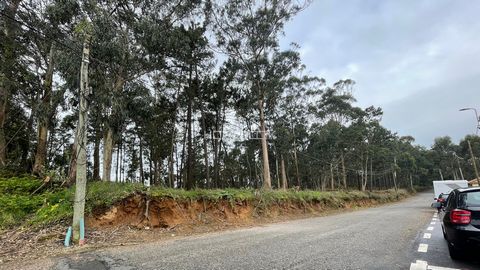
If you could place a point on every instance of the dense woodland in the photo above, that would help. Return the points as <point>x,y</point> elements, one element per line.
<point>193,94</point>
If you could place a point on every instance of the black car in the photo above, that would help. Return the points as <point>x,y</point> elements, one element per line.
<point>460,220</point>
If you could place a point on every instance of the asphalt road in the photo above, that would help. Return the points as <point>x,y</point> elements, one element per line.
<point>386,237</point>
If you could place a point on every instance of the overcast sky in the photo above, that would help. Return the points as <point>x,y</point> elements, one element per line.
<point>418,60</point>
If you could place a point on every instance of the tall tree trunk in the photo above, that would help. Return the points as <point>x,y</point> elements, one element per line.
<point>96,155</point>
<point>284,173</point>
<point>122,161</point>
<point>277,173</point>
<point>205,150</point>
<point>170,158</point>
<point>171,177</point>
<point>371,174</point>
<point>324,181</point>
<point>332,179</point>
<point>142,177</point>
<point>25,163</point>
<point>215,160</point>
<point>150,166</point>
<point>366,173</point>
<point>344,173</point>
<point>297,172</point>
<point>44,116</point>
<point>189,180</point>
<point>182,162</point>
<point>6,72</point>
<point>267,183</point>
<point>395,174</point>
<point>411,181</point>
<point>108,139</point>
<point>117,167</point>
<point>107,155</point>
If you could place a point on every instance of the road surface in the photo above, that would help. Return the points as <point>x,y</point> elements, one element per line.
<point>385,237</point>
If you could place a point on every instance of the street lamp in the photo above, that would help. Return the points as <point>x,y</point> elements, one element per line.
<point>476,117</point>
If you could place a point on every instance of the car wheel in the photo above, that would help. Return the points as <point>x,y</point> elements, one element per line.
<point>455,253</point>
<point>444,234</point>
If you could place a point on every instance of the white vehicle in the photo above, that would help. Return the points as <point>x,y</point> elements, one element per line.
<point>447,186</point>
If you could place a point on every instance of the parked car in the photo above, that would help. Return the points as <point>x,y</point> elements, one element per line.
<point>460,221</point>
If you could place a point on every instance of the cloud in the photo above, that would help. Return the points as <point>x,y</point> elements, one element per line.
<point>400,53</point>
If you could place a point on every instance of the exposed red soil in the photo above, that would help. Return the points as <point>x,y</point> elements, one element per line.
<point>140,212</point>
<point>138,219</point>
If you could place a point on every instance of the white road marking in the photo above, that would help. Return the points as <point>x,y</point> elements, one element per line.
<point>434,219</point>
<point>432,223</point>
<point>435,215</point>
<point>431,267</point>
<point>423,248</point>
<point>419,265</point>
<point>427,235</point>
<point>430,229</point>
<point>423,265</point>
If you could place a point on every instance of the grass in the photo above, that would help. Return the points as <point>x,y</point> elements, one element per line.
<point>20,208</point>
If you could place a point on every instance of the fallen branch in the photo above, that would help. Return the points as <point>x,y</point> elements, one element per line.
<point>45,181</point>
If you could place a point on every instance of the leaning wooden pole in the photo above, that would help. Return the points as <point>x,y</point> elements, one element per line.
<point>474,162</point>
<point>81,175</point>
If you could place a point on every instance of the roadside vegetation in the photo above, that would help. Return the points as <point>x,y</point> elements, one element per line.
<point>54,205</point>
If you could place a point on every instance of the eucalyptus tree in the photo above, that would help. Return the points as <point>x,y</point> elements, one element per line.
<point>442,154</point>
<point>336,105</point>
<point>128,47</point>
<point>248,31</point>
<point>195,59</point>
<point>291,123</point>
<point>8,64</point>
<point>53,20</point>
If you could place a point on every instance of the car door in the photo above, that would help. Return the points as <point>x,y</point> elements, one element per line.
<point>471,201</point>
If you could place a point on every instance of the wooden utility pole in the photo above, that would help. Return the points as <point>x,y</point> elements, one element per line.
<point>81,179</point>
<point>474,162</point>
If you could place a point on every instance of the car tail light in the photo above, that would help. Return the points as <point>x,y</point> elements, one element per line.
<point>459,216</point>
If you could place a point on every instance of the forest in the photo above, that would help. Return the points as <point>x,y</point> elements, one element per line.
<point>193,94</point>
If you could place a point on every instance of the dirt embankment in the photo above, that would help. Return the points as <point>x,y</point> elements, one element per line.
<point>140,218</point>
<point>142,212</point>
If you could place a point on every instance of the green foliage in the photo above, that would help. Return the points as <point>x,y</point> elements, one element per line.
<point>101,194</point>
<point>18,207</point>
<point>19,185</point>
<point>15,208</point>
<point>204,194</point>
<point>57,206</point>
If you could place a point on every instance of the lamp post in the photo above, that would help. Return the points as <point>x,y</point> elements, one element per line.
<point>477,119</point>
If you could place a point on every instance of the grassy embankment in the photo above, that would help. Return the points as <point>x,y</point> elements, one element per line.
<point>54,205</point>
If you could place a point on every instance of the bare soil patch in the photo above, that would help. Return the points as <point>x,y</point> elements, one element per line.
<point>138,219</point>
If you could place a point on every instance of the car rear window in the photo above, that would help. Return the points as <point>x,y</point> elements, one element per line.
<point>469,199</point>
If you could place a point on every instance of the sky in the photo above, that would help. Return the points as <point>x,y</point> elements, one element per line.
<point>419,60</point>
